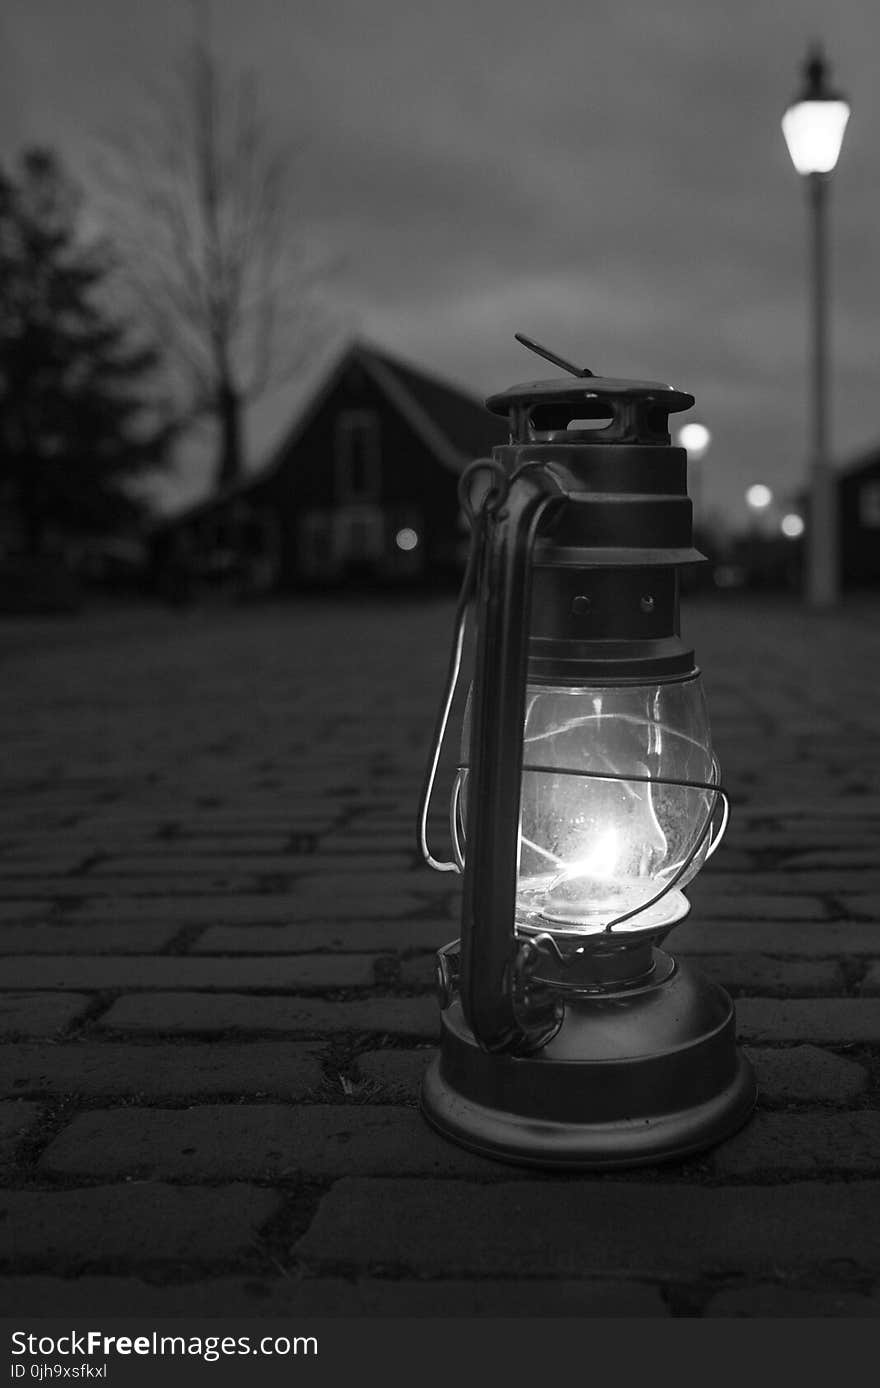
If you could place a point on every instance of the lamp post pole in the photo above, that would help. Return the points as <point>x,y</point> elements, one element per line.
<point>823,565</point>
<point>813,126</point>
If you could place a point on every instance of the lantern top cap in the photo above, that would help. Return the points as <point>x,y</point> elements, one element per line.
<point>555,411</point>
<point>589,389</point>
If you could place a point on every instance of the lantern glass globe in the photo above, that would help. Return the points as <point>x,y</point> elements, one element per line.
<point>592,848</point>
<point>603,827</point>
<point>814,133</point>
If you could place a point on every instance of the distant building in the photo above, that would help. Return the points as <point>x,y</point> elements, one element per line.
<point>859,519</point>
<point>362,488</point>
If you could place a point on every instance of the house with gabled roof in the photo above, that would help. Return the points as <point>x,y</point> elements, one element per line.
<point>363,487</point>
<point>858,493</point>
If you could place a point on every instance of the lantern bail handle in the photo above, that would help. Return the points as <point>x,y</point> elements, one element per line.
<point>504,1010</point>
<point>476,513</point>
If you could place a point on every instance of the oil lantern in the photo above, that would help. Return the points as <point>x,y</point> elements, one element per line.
<point>587,797</point>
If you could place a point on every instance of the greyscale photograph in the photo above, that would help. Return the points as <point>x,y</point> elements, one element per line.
<point>439,596</point>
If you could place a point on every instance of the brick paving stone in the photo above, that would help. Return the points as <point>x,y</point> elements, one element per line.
<point>47,864</point>
<point>203,1012</point>
<point>580,1227</point>
<point>871,982</point>
<point>180,845</point>
<point>821,881</point>
<point>275,1069</point>
<point>302,866</point>
<point>339,936</point>
<point>262,1142</point>
<point>769,1299</point>
<point>862,905</point>
<point>825,1020</point>
<point>851,857</point>
<point>327,1296</point>
<point>146,886</point>
<point>17,1119</point>
<point>358,904</point>
<point>809,939</point>
<point>17,911</point>
<point>357,843</point>
<point>806,1074</point>
<point>39,1014</point>
<point>735,904</point>
<point>304,972</point>
<point>761,974</point>
<point>133,1222</point>
<point>142,937</point>
<point>396,1069</point>
<point>210,909</point>
<point>802,1145</point>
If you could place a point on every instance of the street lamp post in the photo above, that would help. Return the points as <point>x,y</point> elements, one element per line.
<point>813,126</point>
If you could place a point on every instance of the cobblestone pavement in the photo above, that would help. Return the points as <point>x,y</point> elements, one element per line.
<point>217,996</point>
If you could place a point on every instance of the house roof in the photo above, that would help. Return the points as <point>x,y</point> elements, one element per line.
<point>466,423</point>
<point>865,464</point>
<point>455,426</point>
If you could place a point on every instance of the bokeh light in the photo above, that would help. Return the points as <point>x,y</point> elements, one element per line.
<point>695,438</point>
<point>759,496</point>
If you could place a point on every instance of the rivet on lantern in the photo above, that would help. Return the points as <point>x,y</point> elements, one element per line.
<point>587,797</point>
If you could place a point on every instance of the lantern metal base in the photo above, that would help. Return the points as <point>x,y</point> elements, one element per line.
<point>631,1078</point>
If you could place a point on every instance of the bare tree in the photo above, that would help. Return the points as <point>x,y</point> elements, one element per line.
<point>198,202</point>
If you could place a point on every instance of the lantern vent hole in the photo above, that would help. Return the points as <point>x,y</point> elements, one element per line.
<point>556,421</point>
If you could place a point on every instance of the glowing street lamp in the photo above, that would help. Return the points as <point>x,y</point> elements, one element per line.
<point>758,497</point>
<point>792,526</point>
<point>695,438</point>
<point>585,801</point>
<point>813,126</point>
<point>815,122</point>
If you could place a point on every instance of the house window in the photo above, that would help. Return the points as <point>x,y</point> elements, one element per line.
<point>869,505</point>
<point>358,460</point>
<point>359,534</point>
<point>317,556</point>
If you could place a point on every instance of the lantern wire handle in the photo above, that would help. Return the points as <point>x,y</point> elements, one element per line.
<point>436,748</point>
<point>455,820</point>
<point>476,516</point>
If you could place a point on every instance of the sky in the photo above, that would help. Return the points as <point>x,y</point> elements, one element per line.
<point>609,178</point>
